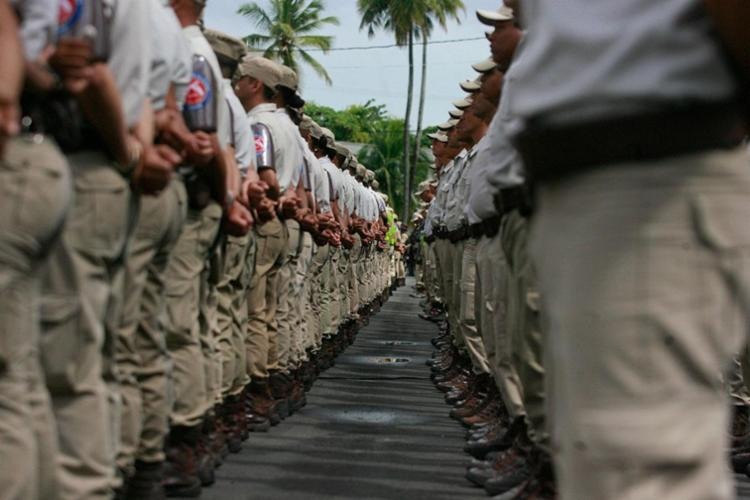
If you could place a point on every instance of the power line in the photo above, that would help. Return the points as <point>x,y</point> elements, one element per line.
<point>371,47</point>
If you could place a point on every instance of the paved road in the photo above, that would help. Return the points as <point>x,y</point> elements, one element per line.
<point>374,428</point>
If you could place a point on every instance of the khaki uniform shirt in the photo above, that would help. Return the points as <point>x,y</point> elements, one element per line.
<point>171,57</point>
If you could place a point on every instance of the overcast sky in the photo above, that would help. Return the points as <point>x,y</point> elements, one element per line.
<point>379,74</point>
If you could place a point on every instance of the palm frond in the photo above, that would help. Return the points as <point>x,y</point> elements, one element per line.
<point>316,66</point>
<point>256,14</point>
<point>323,43</point>
<point>287,27</point>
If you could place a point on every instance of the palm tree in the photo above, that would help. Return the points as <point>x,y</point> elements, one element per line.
<point>408,20</point>
<point>438,12</point>
<point>383,156</point>
<point>287,28</point>
<point>400,17</point>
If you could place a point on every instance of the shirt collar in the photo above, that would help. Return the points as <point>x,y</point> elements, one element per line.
<point>266,107</point>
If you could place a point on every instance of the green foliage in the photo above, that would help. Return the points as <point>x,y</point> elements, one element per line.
<point>408,20</point>
<point>354,124</point>
<point>287,28</point>
<point>382,135</point>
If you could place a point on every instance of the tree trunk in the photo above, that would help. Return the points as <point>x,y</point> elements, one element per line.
<point>420,114</point>
<point>407,121</point>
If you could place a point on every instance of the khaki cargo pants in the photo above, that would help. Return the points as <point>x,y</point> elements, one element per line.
<point>35,194</point>
<point>186,285</point>
<point>80,311</point>
<point>231,314</point>
<point>271,239</point>
<point>302,326</point>
<point>470,327</point>
<point>141,353</point>
<point>523,321</point>
<point>318,292</point>
<point>645,274</point>
<point>286,311</point>
<point>491,302</point>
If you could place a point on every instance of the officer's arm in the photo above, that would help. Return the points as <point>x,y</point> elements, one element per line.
<point>336,212</point>
<point>101,103</point>
<point>304,196</point>
<point>11,77</point>
<point>237,217</point>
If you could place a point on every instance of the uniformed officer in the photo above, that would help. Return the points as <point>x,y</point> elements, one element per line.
<point>143,366</point>
<point>212,181</point>
<point>522,331</point>
<point>28,446</point>
<point>106,97</point>
<point>238,255</point>
<point>288,286</point>
<point>278,163</point>
<point>322,236</point>
<point>637,239</point>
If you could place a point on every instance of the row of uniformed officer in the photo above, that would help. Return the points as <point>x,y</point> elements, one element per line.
<point>183,250</point>
<point>628,120</point>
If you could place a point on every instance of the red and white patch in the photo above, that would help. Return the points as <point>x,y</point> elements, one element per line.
<point>69,11</point>
<point>197,93</point>
<point>260,144</point>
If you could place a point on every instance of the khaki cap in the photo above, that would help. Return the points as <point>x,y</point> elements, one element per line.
<point>484,66</point>
<point>448,125</point>
<point>456,113</point>
<point>307,123</point>
<point>438,136</point>
<point>370,175</point>
<point>316,131</point>
<point>463,103</point>
<point>289,78</point>
<point>327,134</point>
<point>471,85</point>
<point>490,17</point>
<point>260,68</point>
<point>375,184</point>
<point>228,46</point>
<point>341,150</point>
<point>361,171</point>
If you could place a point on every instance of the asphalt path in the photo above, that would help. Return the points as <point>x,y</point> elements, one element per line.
<point>374,428</point>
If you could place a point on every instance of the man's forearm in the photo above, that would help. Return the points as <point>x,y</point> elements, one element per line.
<point>145,129</point>
<point>13,62</point>
<point>268,176</point>
<point>101,104</point>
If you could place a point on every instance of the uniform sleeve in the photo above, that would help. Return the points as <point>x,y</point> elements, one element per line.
<point>182,65</point>
<point>322,187</point>
<point>38,25</point>
<point>162,50</point>
<point>244,148</point>
<point>130,60</point>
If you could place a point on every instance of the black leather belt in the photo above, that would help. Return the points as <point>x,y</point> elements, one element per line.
<point>459,234</point>
<point>488,227</point>
<point>551,152</point>
<point>516,198</point>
